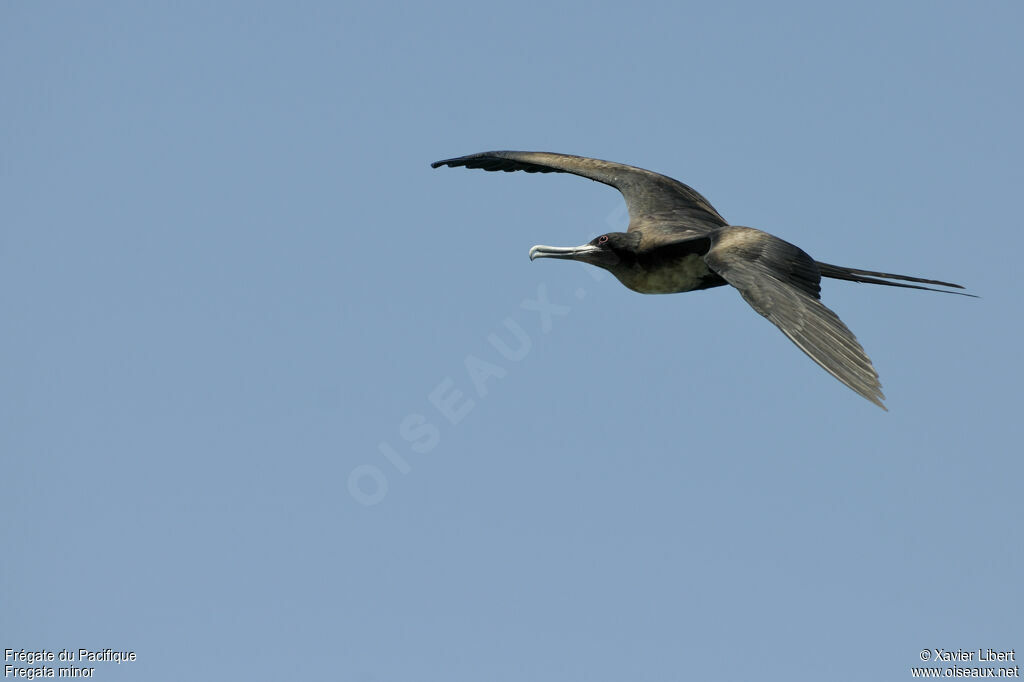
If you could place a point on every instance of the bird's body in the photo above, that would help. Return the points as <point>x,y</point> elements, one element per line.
<point>678,242</point>
<point>669,276</point>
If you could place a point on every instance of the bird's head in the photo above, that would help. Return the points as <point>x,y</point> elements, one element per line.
<point>605,251</point>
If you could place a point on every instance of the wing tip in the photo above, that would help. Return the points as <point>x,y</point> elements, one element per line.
<point>483,158</point>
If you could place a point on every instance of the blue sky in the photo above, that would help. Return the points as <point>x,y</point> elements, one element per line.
<point>231,283</point>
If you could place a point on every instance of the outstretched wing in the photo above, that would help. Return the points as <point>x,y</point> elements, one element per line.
<point>780,282</point>
<point>654,201</point>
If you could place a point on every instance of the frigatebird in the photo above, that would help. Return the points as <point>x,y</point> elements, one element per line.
<point>676,242</point>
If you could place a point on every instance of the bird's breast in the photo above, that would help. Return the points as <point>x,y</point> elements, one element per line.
<point>669,277</point>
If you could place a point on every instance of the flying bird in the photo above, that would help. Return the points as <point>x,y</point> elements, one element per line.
<point>676,242</point>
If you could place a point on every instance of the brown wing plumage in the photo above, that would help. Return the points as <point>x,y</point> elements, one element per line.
<point>655,202</point>
<point>780,282</point>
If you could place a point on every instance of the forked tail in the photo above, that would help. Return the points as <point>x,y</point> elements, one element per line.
<point>871,277</point>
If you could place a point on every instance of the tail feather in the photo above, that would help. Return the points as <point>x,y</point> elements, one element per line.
<point>872,277</point>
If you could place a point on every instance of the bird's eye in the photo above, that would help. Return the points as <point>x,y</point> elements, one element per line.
<point>602,239</point>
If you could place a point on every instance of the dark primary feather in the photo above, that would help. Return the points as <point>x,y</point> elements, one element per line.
<point>781,282</point>
<point>655,202</point>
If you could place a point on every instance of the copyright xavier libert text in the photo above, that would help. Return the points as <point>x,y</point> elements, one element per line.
<point>31,665</point>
